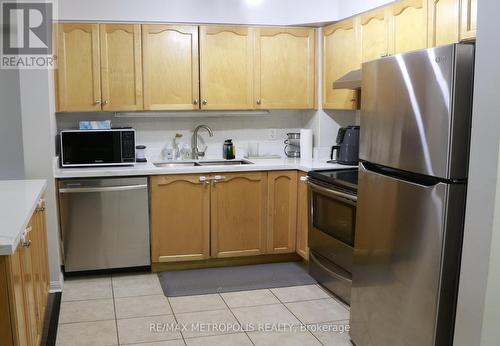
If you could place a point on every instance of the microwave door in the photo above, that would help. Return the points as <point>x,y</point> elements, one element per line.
<point>407,247</point>
<point>91,148</point>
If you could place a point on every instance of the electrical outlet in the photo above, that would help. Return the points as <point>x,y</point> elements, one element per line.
<point>272,134</point>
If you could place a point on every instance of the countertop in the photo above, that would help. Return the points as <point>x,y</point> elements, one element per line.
<point>144,169</point>
<point>18,200</point>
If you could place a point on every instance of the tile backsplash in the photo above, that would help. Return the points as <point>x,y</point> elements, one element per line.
<point>155,133</point>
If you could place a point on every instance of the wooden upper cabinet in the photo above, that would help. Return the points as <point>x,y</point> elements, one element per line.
<point>282,208</point>
<point>180,218</point>
<point>239,214</point>
<point>121,67</point>
<point>170,67</point>
<point>226,67</point>
<point>408,28</point>
<point>78,74</point>
<point>468,19</point>
<point>302,215</point>
<point>341,54</point>
<point>443,22</point>
<point>374,31</point>
<point>285,68</point>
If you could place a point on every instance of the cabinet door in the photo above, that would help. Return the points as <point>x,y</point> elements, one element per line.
<point>443,22</point>
<point>282,207</point>
<point>180,218</point>
<point>340,55</point>
<point>468,19</point>
<point>285,68</point>
<point>121,67</point>
<point>29,284</point>
<point>78,73</point>
<point>226,67</point>
<point>170,67</point>
<point>5,311</point>
<point>408,26</point>
<point>302,216</point>
<point>17,298</point>
<point>374,32</point>
<point>239,214</point>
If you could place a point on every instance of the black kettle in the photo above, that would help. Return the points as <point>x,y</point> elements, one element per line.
<point>347,147</point>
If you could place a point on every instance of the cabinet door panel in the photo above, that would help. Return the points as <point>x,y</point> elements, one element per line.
<point>302,216</point>
<point>285,68</point>
<point>468,19</point>
<point>121,67</point>
<point>226,67</point>
<point>239,215</point>
<point>29,288</point>
<point>180,218</point>
<point>408,26</point>
<point>17,298</point>
<point>340,56</point>
<point>443,22</point>
<point>78,73</point>
<point>5,311</point>
<point>374,35</point>
<point>170,66</point>
<point>282,204</point>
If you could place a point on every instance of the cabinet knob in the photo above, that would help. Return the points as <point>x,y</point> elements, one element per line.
<point>195,102</point>
<point>98,102</point>
<point>204,102</point>
<point>105,102</point>
<point>259,101</point>
<point>204,179</point>
<point>304,178</point>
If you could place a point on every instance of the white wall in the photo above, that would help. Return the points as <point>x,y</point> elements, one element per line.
<point>272,12</point>
<point>479,250</point>
<point>39,128</point>
<point>11,142</point>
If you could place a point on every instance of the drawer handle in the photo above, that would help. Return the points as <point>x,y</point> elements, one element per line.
<point>219,178</point>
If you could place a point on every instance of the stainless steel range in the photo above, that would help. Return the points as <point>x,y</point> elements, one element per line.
<point>333,199</point>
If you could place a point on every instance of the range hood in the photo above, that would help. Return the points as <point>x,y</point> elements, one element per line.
<point>351,80</point>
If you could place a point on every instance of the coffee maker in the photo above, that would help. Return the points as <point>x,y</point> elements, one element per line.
<point>347,147</point>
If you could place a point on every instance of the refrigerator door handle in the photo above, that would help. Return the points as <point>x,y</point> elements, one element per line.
<point>406,177</point>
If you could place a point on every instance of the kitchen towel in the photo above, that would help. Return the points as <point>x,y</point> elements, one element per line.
<point>306,144</point>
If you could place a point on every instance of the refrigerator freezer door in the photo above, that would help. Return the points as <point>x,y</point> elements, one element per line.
<point>416,111</point>
<point>408,240</point>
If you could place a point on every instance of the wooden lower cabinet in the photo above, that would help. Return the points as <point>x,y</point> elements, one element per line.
<point>302,216</point>
<point>282,211</point>
<point>180,218</point>
<point>24,287</point>
<point>239,214</point>
<point>223,215</point>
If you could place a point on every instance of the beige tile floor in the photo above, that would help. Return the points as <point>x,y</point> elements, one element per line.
<point>130,309</point>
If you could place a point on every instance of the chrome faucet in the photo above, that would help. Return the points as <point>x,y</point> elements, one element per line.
<point>196,153</point>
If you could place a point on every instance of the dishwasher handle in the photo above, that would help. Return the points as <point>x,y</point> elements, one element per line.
<point>103,189</point>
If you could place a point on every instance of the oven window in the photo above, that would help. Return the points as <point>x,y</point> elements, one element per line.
<point>334,217</point>
<point>91,147</point>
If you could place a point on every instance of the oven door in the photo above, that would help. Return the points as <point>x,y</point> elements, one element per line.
<point>332,224</point>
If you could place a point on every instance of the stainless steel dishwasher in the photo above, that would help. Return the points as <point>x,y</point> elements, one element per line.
<point>105,223</point>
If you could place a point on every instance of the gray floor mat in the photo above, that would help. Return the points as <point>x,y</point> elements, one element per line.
<point>232,279</point>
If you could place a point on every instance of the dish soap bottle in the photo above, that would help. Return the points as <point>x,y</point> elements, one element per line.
<point>228,149</point>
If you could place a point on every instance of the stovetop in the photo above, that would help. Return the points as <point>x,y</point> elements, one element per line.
<point>343,178</point>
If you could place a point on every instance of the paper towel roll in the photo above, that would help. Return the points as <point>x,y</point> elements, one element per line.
<point>306,144</point>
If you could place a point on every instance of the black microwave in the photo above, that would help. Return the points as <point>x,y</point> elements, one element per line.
<point>114,147</point>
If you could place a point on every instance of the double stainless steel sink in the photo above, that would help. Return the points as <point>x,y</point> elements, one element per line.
<point>202,163</point>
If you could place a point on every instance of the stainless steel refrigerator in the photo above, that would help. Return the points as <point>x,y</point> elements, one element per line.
<point>414,147</point>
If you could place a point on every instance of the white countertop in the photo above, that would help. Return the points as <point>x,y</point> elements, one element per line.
<point>18,200</point>
<point>141,169</point>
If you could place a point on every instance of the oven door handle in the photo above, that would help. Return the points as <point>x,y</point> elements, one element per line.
<point>332,193</point>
